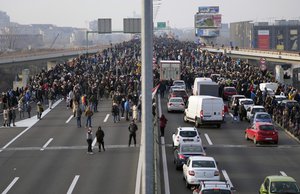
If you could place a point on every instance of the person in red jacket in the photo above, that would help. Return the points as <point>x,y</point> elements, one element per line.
<point>162,124</point>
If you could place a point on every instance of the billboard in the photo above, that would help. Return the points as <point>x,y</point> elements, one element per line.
<point>208,9</point>
<point>293,41</point>
<point>207,32</point>
<point>208,20</point>
<point>263,39</point>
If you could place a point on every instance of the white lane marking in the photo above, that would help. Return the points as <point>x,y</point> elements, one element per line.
<point>94,142</point>
<point>231,114</point>
<point>105,120</point>
<point>139,173</point>
<point>208,139</point>
<point>283,173</point>
<point>15,138</point>
<point>227,179</point>
<point>159,107</point>
<point>69,119</point>
<point>46,144</point>
<point>72,186</point>
<point>163,152</point>
<point>165,167</point>
<point>10,185</point>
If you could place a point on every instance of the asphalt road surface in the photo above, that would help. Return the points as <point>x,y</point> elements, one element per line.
<point>243,163</point>
<point>50,155</point>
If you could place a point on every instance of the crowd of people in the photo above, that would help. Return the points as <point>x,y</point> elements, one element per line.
<point>115,73</point>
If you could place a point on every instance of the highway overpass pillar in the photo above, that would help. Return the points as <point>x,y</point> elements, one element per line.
<point>279,73</point>
<point>147,85</point>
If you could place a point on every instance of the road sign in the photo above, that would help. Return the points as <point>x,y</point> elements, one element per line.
<point>161,25</point>
<point>132,25</point>
<point>263,65</point>
<point>104,26</point>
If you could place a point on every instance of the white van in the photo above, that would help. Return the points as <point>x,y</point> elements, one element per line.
<point>205,86</point>
<point>204,110</point>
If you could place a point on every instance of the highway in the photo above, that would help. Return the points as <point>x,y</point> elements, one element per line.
<point>50,155</point>
<point>245,164</point>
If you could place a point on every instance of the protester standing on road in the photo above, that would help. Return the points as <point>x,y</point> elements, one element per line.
<point>5,117</point>
<point>88,113</point>
<point>39,110</point>
<point>132,132</point>
<point>162,124</point>
<point>28,110</point>
<point>89,139</point>
<point>100,138</point>
<point>78,113</point>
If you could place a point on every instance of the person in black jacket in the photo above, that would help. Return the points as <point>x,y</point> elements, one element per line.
<point>132,132</point>
<point>100,138</point>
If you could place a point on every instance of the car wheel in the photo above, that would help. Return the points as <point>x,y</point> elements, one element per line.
<point>187,185</point>
<point>185,118</point>
<point>196,122</point>
<point>246,136</point>
<point>218,125</point>
<point>177,167</point>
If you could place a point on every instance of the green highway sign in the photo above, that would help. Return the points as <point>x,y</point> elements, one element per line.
<point>161,25</point>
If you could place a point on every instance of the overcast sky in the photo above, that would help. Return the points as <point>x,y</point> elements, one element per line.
<point>179,13</point>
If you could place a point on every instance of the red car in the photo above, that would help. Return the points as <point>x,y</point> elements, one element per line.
<point>262,132</point>
<point>228,92</point>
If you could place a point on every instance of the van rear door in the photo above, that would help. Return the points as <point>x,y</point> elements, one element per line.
<point>213,109</point>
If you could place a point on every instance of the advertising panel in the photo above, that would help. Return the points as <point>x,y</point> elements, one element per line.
<point>293,40</point>
<point>208,32</point>
<point>263,39</point>
<point>208,21</point>
<point>279,39</point>
<point>208,9</point>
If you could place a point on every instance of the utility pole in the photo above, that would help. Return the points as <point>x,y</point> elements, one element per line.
<point>147,84</point>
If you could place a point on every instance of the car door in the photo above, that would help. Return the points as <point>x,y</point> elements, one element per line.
<point>176,154</point>
<point>185,167</point>
<point>252,132</point>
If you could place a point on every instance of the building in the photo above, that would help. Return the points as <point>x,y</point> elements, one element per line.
<point>4,19</point>
<point>282,35</point>
<point>241,34</point>
<point>20,41</point>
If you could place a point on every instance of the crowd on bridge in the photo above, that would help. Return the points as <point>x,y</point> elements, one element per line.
<point>115,73</point>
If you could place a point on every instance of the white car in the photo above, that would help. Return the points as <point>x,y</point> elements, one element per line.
<point>176,104</point>
<point>214,187</point>
<point>186,134</point>
<point>254,109</point>
<point>200,168</point>
<point>179,83</point>
<point>246,102</point>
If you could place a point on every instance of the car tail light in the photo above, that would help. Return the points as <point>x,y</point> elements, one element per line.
<point>201,114</point>
<point>177,138</point>
<point>181,156</point>
<point>223,113</point>
<point>191,173</point>
<point>170,104</point>
<point>182,104</point>
<point>216,173</point>
<point>198,138</point>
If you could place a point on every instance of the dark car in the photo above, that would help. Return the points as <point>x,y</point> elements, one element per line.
<point>184,151</point>
<point>179,93</point>
<point>289,104</point>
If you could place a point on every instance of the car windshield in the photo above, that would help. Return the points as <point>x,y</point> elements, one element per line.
<point>187,133</point>
<point>179,93</point>
<point>215,191</point>
<point>230,90</point>
<point>203,164</point>
<point>179,84</point>
<point>176,100</point>
<point>284,187</point>
<point>263,116</point>
<point>191,149</point>
<point>266,127</point>
<point>246,102</point>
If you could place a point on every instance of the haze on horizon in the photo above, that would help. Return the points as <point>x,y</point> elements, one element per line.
<point>179,13</point>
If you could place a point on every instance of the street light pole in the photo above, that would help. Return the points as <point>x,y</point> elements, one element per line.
<point>147,84</point>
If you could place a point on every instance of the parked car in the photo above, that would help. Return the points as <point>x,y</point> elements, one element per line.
<point>254,109</point>
<point>200,168</point>
<point>261,117</point>
<point>179,93</point>
<point>176,104</point>
<point>213,187</point>
<point>262,132</point>
<point>277,184</point>
<point>179,83</point>
<point>234,99</point>
<point>184,151</point>
<point>228,92</point>
<point>186,135</point>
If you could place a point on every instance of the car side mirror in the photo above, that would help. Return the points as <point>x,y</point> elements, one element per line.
<point>264,191</point>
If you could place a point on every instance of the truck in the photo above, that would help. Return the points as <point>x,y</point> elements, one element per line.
<point>205,86</point>
<point>169,69</point>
